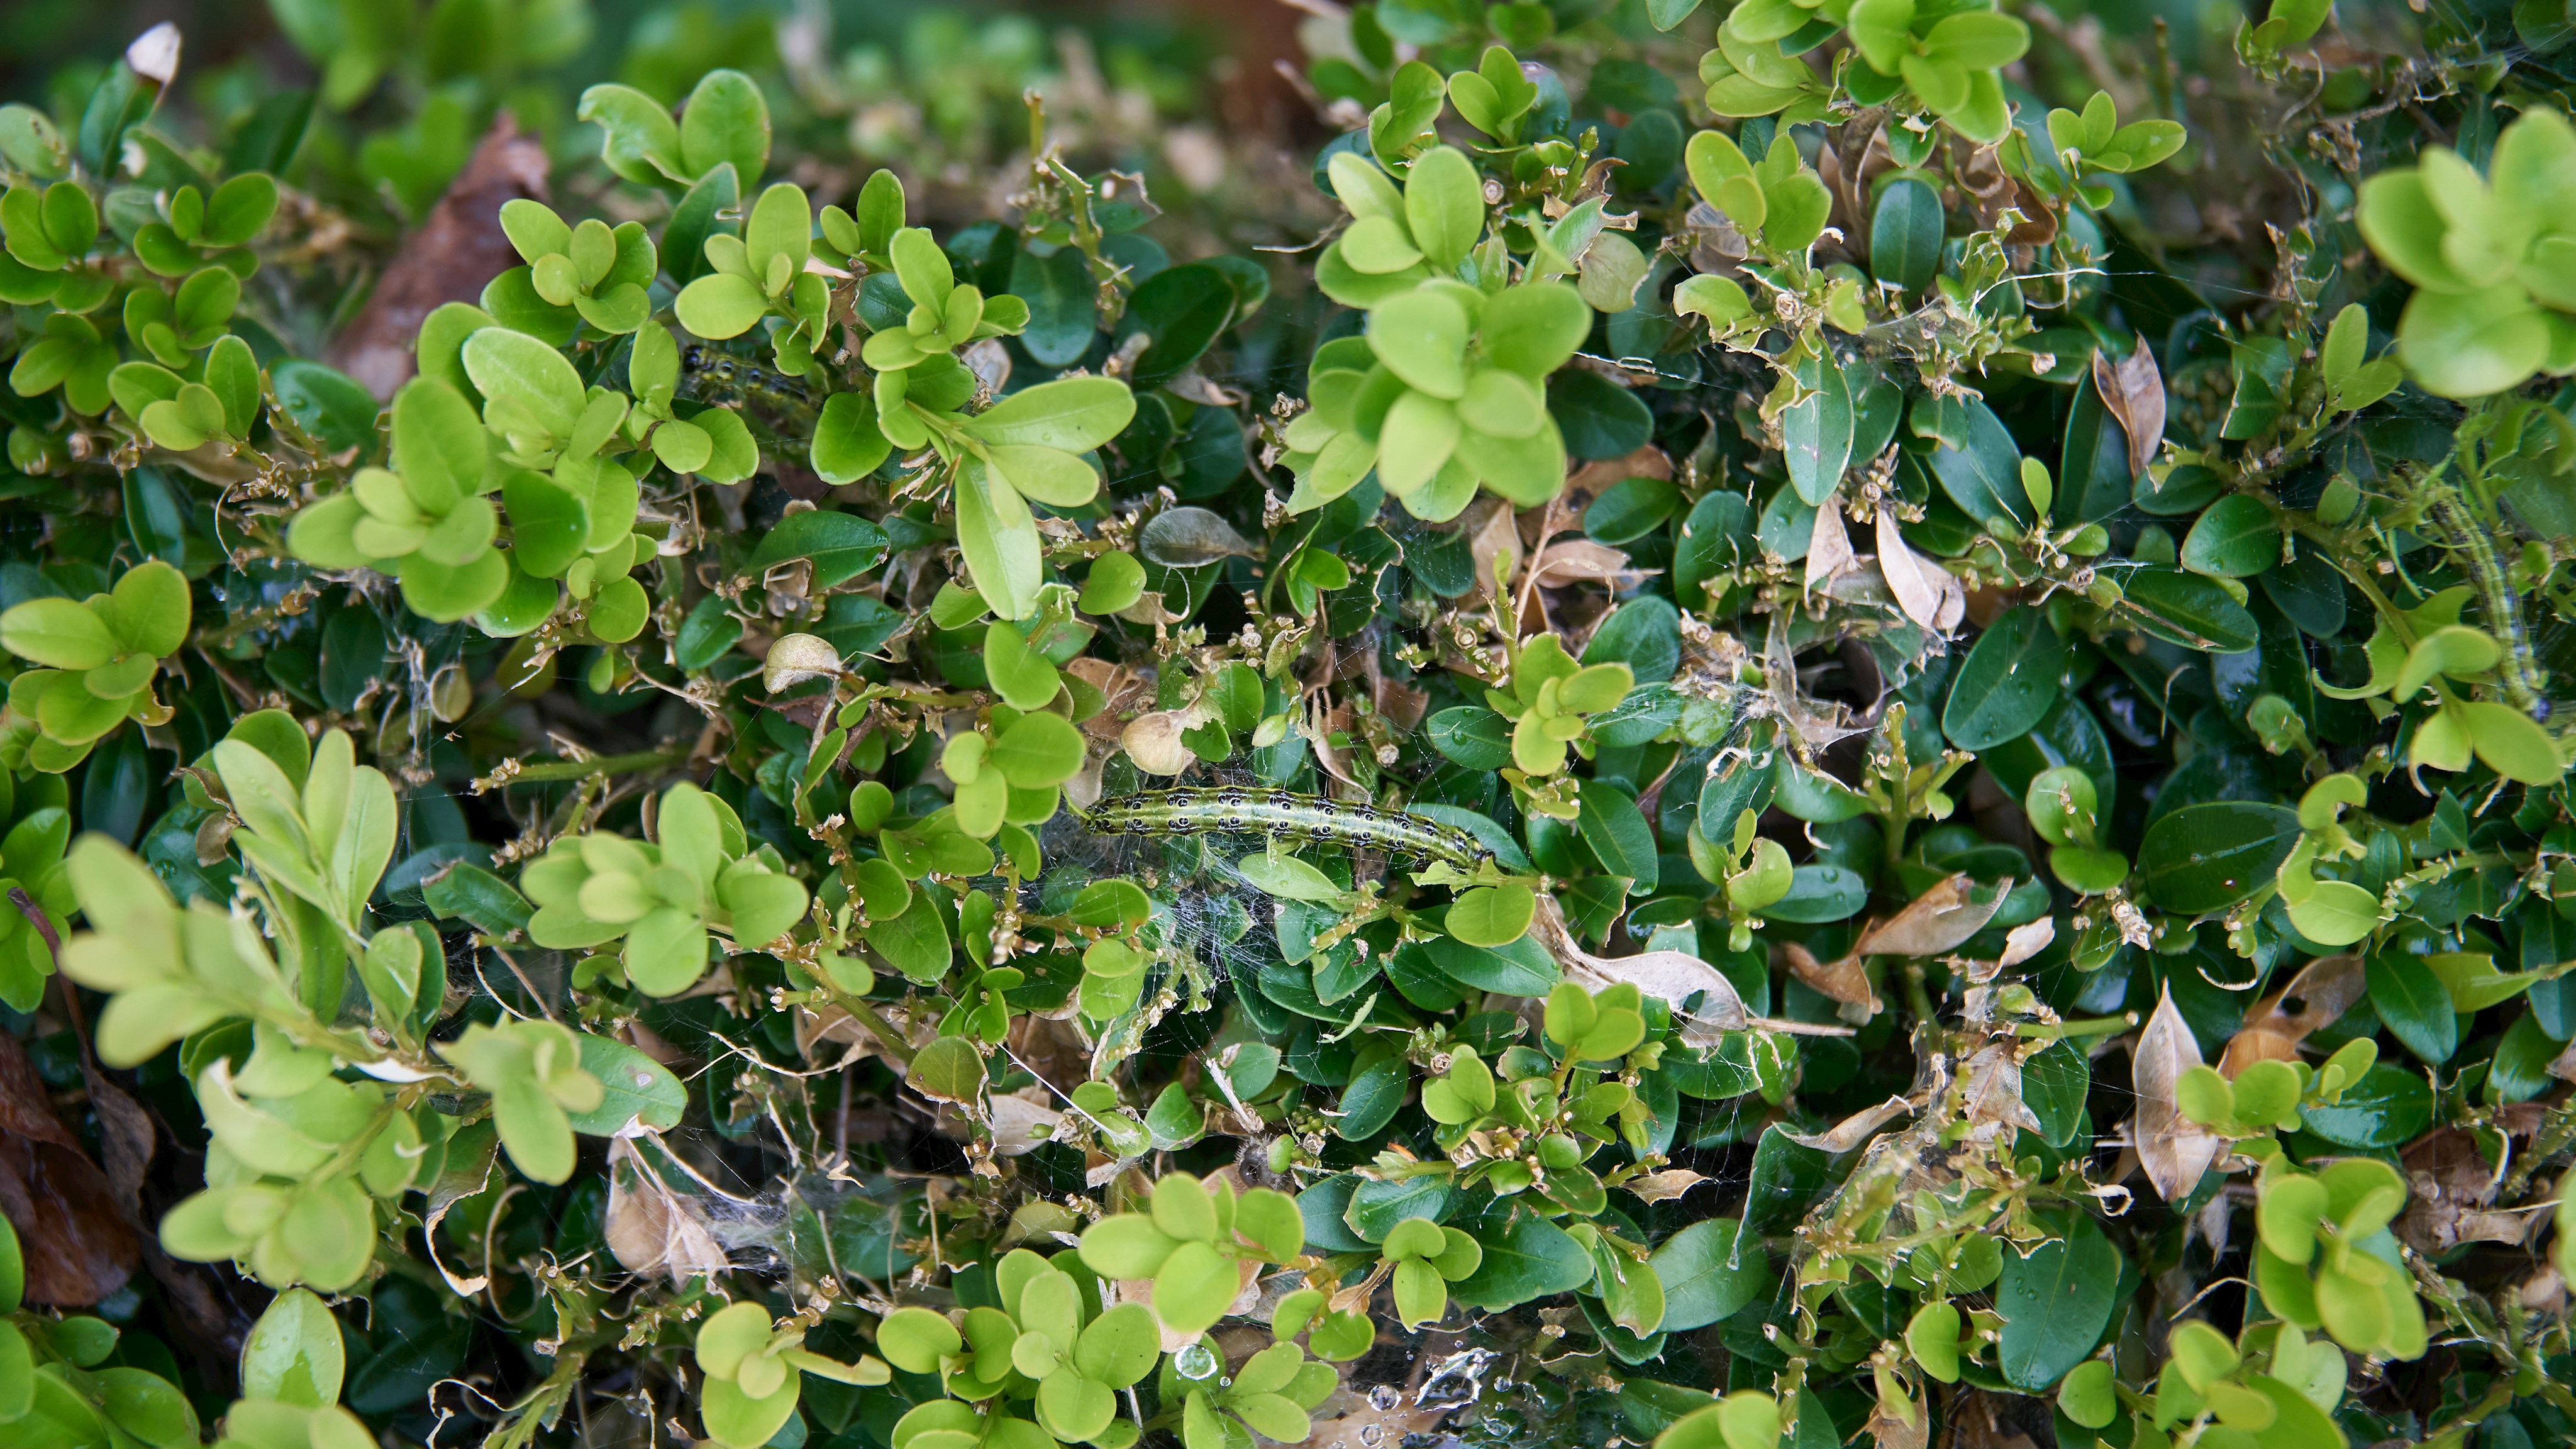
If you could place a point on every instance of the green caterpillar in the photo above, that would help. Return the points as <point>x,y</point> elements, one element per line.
<point>1287,815</point>
<point>776,406</point>
<point>2520,674</point>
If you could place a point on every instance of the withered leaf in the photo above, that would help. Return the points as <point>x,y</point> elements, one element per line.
<point>1938,920</point>
<point>1929,594</point>
<point>2324,989</point>
<point>1853,1130</point>
<point>2173,1148</point>
<point>1829,548</point>
<point>1664,1186</point>
<point>1845,980</point>
<point>2135,394</point>
<point>75,1241</point>
<point>1186,537</point>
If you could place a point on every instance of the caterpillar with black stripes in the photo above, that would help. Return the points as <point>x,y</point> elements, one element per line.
<point>1287,815</point>
<point>2519,673</point>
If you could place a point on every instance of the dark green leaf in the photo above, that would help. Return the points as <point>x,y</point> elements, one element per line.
<point>476,896</point>
<point>1529,1257</point>
<point>842,545</point>
<point>2053,1083</point>
<point>2206,858</point>
<point>2389,1107</point>
<point>1473,736</point>
<point>2414,1005</point>
<point>1599,418</point>
<point>2055,1304</point>
<point>2008,682</point>
<point>1709,1270</point>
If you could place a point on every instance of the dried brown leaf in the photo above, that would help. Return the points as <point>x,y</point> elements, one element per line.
<point>1673,977</point>
<point>1845,980</point>
<point>1929,594</point>
<point>1829,549</point>
<point>75,1240</point>
<point>2324,989</point>
<point>650,1229</point>
<point>2135,394</point>
<point>455,252</point>
<point>1938,920</point>
<point>1853,1130</point>
<point>1664,1186</point>
<point>1492,534</point>
<point>1994,1088</point>
<point>2173,1148</point>
<point>1581,560</point>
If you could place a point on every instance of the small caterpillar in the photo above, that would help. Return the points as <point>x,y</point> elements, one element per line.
<point>709,376</point>
<point>2519,673</point>
<point>1307,819</point>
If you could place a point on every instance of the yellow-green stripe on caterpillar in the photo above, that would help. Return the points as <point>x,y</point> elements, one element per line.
<point>1286,815</point>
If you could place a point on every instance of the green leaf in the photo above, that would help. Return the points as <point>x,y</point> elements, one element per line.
<point>2413,1004</point>
<point>1905,234</point>
<point>1038,752</point>
<point>841,546</point>
<point>2235,538</point>
<point>1597,417</point>
<point>725,120</point>
<point>1621,840</point>
<point>2055,1304</point>
<point>1421,336</point>
<point>1022,676</point>
<point>476,896</point>
<point>1533,328</point>
<point>1522,968</point>
<point>1709,1270</point>
<point>513,365</point>
<point>948,1070</point>
<point>59,634</point>
<point>1491,916</point>
<point>1526,1258</point>
<point>2205,858</point>
<point>720,305</point>
<point>999,538</point>
<point>781,222</point>
<point>1182,309</point>
<point>848,445</point>
<point>1472,735</point>
<point>2009,681</point>
<point>2389,1107</point>
<point>1288,877</point>
<point>549,524</point>
<point>2054,1081</point>
<point>1075,414</point>
<point>1444,206</point>
<point>635,1089</point>
<point>2511,743</point>
<point>294,1353</point>
<point>1983,475</point>
<point>2190,610</point>
<point>1816,433</point>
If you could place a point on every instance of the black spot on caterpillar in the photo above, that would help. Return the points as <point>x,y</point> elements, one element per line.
<point>1287,815</point>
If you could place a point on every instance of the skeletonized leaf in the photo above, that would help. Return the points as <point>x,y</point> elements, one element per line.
<point>2173,1147</point>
